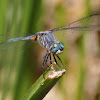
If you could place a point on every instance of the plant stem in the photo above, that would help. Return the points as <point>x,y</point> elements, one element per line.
<point>42,86</point>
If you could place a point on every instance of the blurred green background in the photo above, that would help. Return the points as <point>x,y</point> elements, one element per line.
<point>20,63</point>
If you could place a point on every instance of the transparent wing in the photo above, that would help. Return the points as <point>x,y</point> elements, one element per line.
<point>87,23</point>
<point>72,31</point>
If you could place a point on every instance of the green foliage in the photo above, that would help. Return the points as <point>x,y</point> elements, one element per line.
<point>20,63</point>
<point>42,86</point>
<point>17,18</point>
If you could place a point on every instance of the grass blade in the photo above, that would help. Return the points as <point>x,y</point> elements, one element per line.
<point>42,86</point>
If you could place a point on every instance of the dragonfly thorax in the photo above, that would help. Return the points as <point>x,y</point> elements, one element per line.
<point>57,48</point>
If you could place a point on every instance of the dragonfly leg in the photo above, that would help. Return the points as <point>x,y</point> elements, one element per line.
<point>46,59</point>
<point>50,60</point>
<point>56,61</point>
<point>45,62</point>
<point>60,61</point>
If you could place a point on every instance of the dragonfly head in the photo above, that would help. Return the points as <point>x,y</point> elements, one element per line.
<point>57,48</point>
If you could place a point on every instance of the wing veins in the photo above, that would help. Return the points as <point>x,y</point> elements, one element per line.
<point>70,26</point>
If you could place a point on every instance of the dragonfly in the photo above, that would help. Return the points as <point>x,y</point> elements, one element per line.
<point>53,47</point>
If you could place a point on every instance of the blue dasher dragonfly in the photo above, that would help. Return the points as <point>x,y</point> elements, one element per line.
<point>47,40</point>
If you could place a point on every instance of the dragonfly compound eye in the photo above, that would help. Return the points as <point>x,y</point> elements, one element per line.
<point>57,48</point>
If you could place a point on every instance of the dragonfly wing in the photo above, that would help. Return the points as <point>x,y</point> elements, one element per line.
<point>72,31</point>
<point>87,23</point>
<point>83,28</point>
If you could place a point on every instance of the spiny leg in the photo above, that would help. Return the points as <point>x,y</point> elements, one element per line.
<point>51,62</point>
<point>56,61</point>
<point>60,61</point>
<point>44,62</point>
<point>50,59</point>
<point>47,60</point>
